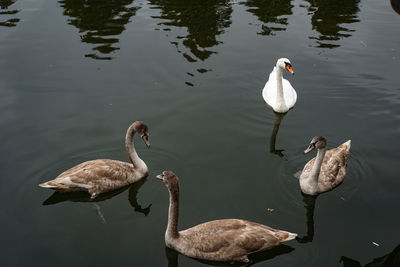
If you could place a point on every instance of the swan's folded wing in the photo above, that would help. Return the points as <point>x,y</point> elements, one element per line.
<point>333,168</point>
<point>269,90</point>
<point>307,168</point>
<point>289,93</point>
<point>89,173</point>
<point>233,237</point>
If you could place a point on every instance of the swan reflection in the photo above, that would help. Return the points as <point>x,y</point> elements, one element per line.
<point>7,14</point>
<point>272,140</point>
<point>172,257</point>
<point>58,197</point>
<point>273,14</point>
<point>309,204</point>
<point>99,22</point>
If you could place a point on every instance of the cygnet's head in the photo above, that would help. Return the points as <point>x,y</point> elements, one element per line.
<point>284,63</point>
<point>317,142</point>
<point>169,178</point>
<point>141,128</point>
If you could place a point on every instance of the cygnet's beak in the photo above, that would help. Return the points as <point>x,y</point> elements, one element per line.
<point>289,69</point>
<point>146,140</point>
<point>309,148</point>
<point>159,177</point>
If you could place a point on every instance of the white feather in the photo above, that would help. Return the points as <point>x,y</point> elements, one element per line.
<point>270,91</point>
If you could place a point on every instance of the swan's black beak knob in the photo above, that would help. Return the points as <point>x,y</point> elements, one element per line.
<point>289,68</point>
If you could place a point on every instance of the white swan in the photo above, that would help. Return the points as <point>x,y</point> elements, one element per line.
<point>278,92</point>
<point>103,175</point>
<point>327,169</point>
<point>219,240</point>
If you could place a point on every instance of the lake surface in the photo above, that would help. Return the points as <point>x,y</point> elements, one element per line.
<point>74,74</point>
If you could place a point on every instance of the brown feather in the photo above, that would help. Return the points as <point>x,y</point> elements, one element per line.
<point>103,175</point>
<point>219,240</point>
<point>333,167</point>
<point>99,176</point>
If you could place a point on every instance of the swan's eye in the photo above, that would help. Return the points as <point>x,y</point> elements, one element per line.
<point>288,64</point>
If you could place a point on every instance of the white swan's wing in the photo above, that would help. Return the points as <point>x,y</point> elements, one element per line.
<point>289,93</point>
<point>269,91</point>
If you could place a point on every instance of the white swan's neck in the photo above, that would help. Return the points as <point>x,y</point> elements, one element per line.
<point>316,169</point>
<point>137,162</point>
<point>280,101</point>
<point>173,214</point>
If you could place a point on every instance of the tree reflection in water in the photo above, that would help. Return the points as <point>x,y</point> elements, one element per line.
<point>4,11</point>
<point>328,17</point>
<point>274,14</point>
<point>204,21</point>
<point>99,22</point>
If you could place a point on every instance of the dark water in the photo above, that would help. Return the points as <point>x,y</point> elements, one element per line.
<point>74,74</point>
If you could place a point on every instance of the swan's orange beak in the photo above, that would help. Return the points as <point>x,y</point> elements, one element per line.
<point>289,69</point>
<point>146,140</point>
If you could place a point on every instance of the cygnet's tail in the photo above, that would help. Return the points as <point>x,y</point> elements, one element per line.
<point>348,143</point>
<point>346,146</point>
<point>290,236</point>
<point>49,184</point>
<point>286,236</point>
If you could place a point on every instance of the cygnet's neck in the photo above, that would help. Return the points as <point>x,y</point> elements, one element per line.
<point>173,213</point>
<point>280,101</point>
<point>137,162</point>
<point>316,168</point>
